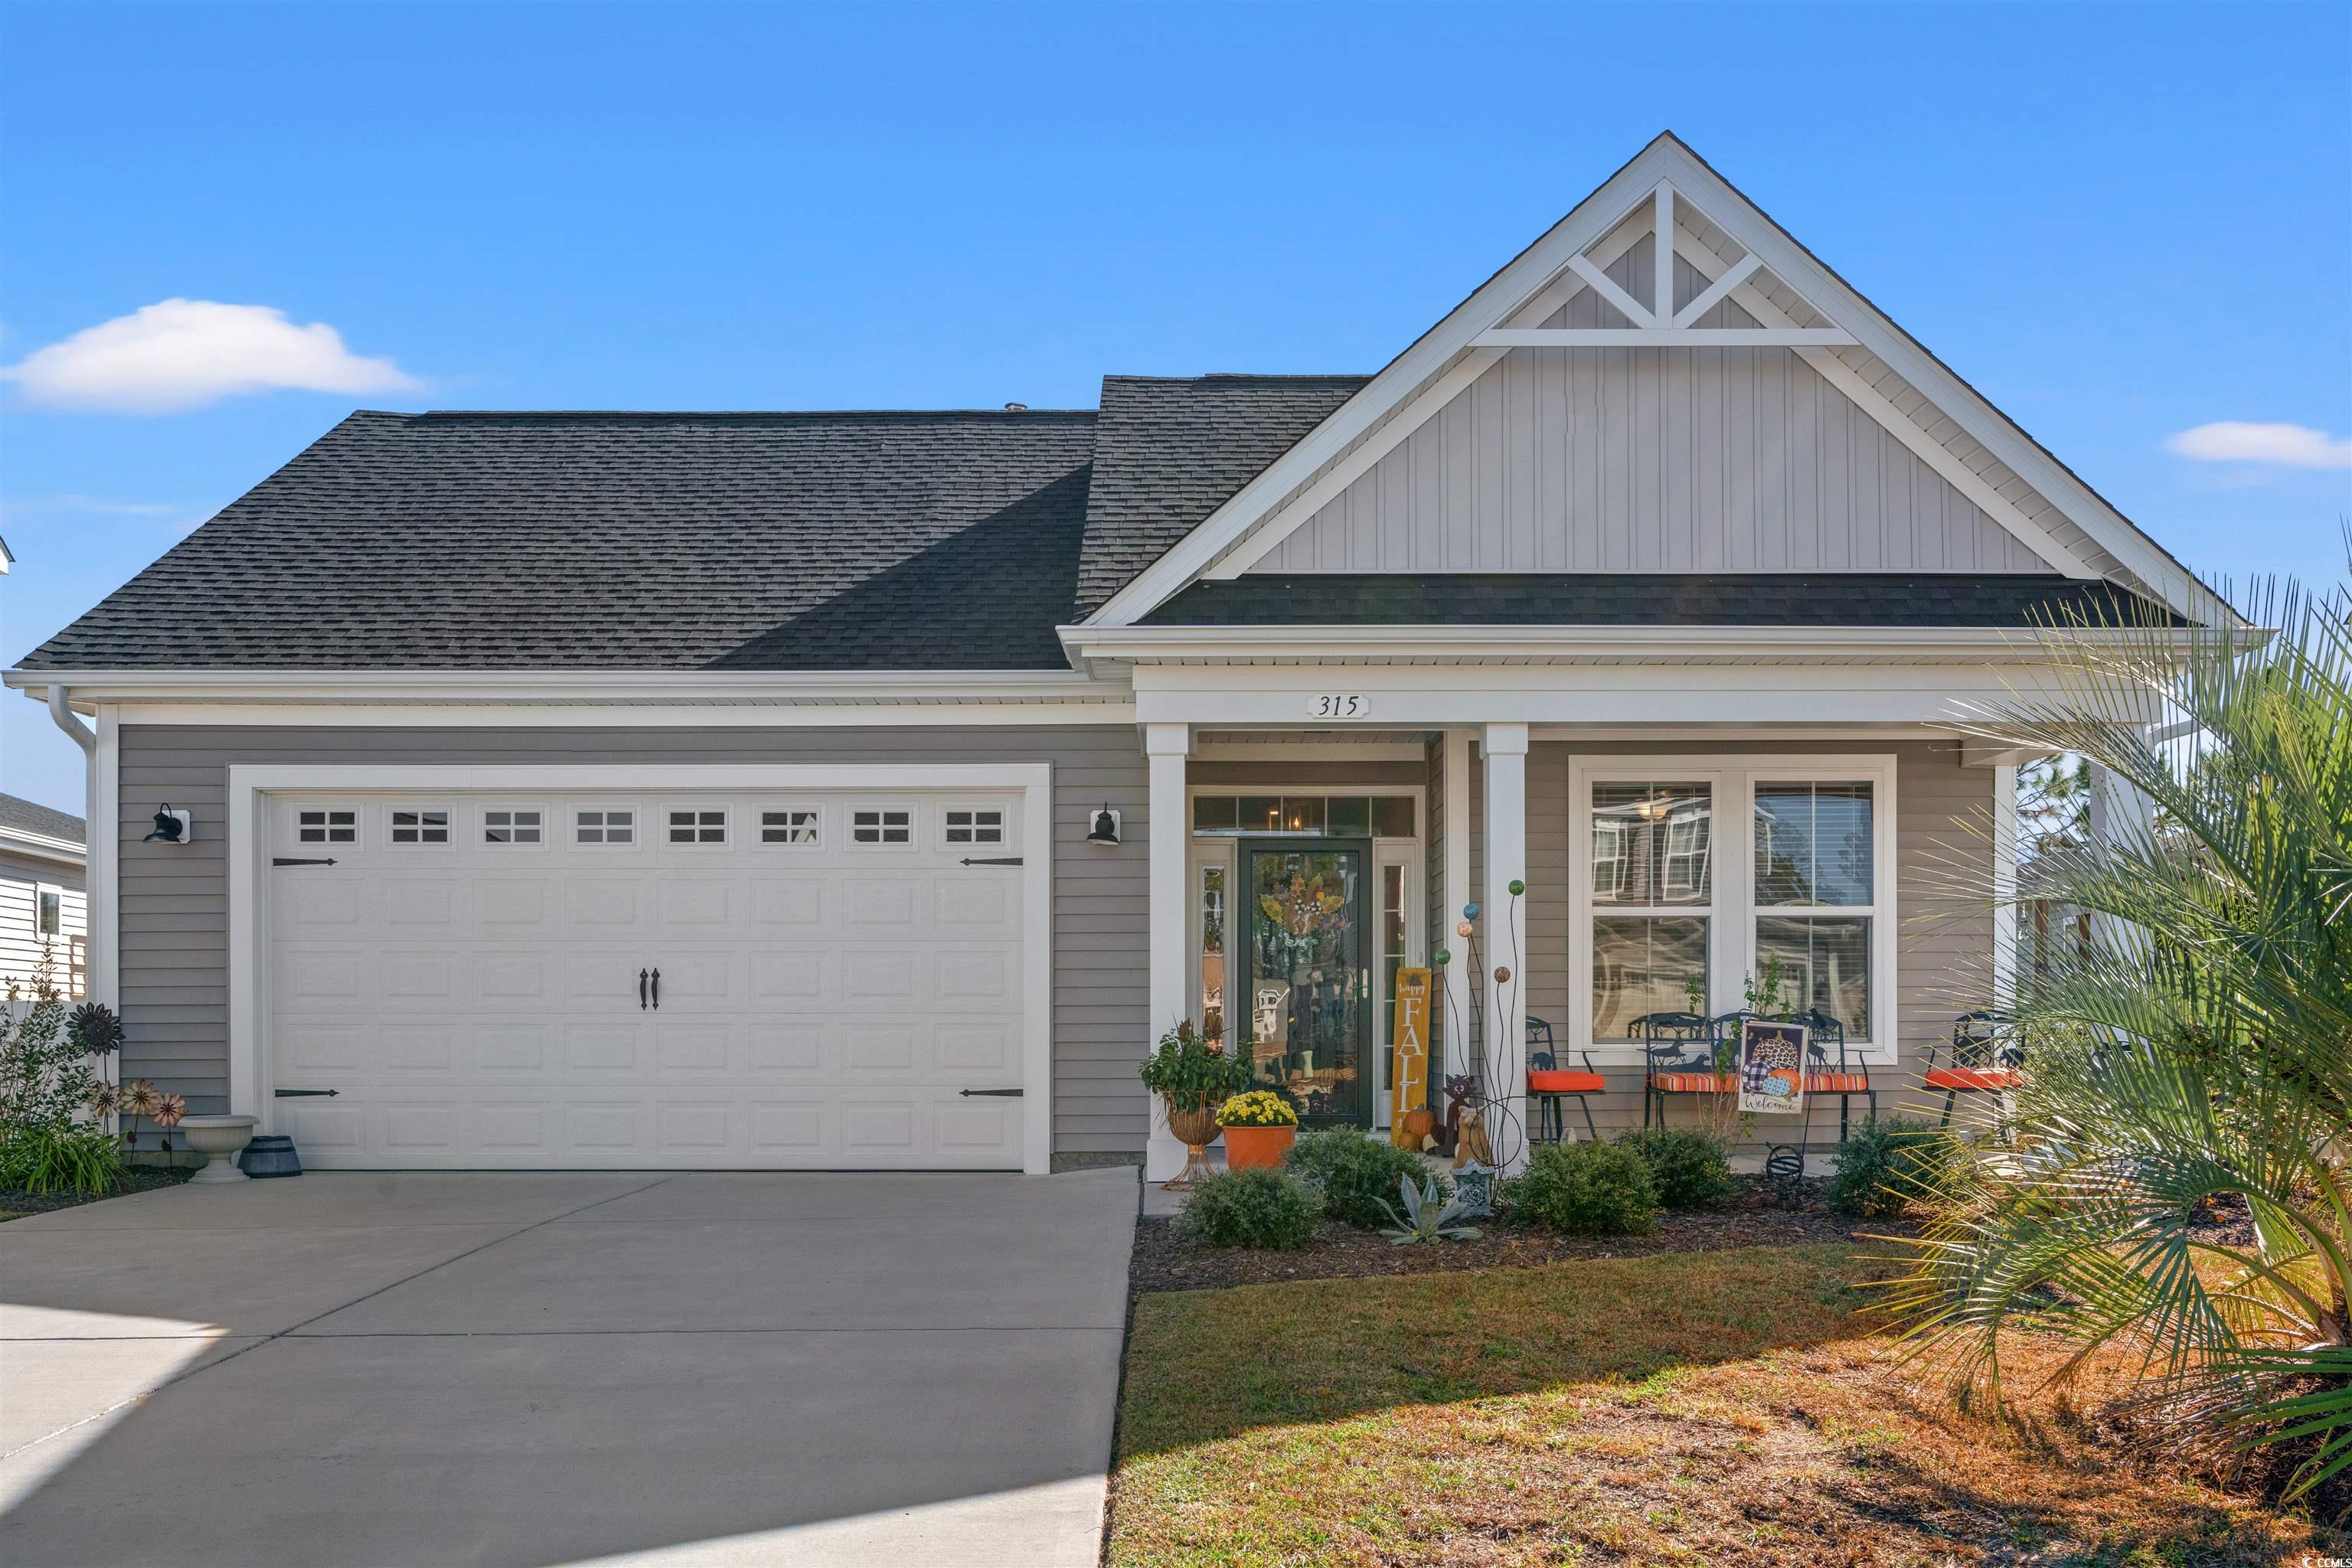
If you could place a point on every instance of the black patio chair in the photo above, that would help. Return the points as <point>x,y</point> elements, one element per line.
<point>1549,1083</point>
<point>1985,1057</point>
<point>1678,1058</point>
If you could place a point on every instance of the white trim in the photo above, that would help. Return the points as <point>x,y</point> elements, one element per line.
<point>1663,162</point>
<point>1168,844</point>
<point>1715,293</point>
<point>1733,914</point>
<point>251,785</point>
<point>2004,884</point>
<point>1505,748</point>
<point>102,880</point>
<point>1285,519</point>
<point>1202,854</point>
<point>1607,288</point>
<point>1308,752</point>
<point>1663,337</point>
<point>1453,889</point>
<point>596,716</point>
<point>41,846</point>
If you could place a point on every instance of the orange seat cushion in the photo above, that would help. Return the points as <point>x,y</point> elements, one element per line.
<point>1562,1081</point>
<point>1837,1083</point>
<point>1975,1077</point>
<point>1694,1083</point>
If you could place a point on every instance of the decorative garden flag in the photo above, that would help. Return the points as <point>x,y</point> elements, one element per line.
<point>1771,1067</point>
<point>1411,1040</point>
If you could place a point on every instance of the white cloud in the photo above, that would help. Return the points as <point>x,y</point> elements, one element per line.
<point>185,353</point>
<point>2283,446</point>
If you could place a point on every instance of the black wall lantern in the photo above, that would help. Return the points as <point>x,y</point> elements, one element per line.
<point>1105,829</point>
<point>171,827</point>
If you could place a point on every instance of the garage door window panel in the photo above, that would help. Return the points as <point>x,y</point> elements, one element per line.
<point>882,826</point>
<point>326,824</point>
<point>699,826</point>
<point>607,827</point>
<point>514,826</point>
<point>976,825</point>
<point>419,826</point>
<point>801,827</point>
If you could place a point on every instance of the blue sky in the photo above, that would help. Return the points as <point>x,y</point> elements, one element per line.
<point>2119,222</point>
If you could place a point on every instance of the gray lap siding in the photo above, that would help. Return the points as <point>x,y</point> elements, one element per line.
<point>174,901</point>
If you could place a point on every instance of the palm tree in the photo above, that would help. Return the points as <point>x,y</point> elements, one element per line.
<point>2196,1047</point>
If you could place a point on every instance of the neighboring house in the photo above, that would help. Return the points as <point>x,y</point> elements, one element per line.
<point>42,910</point>
<point>729,789</point>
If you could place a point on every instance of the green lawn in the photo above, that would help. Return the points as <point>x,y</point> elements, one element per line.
<point>1698,1407</point>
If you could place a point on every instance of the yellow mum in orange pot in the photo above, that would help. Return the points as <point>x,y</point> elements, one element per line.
<point>1259,1129</point>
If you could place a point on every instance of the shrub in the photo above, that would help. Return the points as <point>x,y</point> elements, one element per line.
<point>1190,1071</point>
<point>1356,1174</point>
<point>1687,1166</point>
<point>1252,1207</point>
<point>1585,1189</point>
<point>1884,1166</point>
<point>76,1159</point>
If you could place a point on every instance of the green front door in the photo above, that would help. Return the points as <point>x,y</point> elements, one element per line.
<point>1306,981</point>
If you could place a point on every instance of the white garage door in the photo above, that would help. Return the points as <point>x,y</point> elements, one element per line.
<point>823,979</point>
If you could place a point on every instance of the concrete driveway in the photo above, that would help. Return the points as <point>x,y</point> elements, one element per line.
<point>540,1368</point>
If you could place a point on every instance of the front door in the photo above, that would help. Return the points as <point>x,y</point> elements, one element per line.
<point>1306,982</point>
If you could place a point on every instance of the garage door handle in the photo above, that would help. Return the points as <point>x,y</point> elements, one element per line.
<point>641,990</point>
<point>1000,1093</point>
<point>656,990</point>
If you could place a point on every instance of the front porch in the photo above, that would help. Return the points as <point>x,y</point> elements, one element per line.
<point>1660,871</point>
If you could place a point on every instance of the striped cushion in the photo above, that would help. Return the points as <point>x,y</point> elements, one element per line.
<point>1975,1077</point>
<point>1541,1081</point>
<point>1694,1083</point>
<point>1836,1083</point>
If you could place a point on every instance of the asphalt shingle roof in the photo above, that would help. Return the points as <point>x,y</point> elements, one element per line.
<point>1776,599</point>
<point>939,541</point>
<point>1168,452</point>
<point>28,816</point>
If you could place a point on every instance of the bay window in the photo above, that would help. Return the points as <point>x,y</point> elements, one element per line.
<point>1662,923</point>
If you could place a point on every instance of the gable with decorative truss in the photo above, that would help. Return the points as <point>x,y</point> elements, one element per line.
<point>1715,403</point>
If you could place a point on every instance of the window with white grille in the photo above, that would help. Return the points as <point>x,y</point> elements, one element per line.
<point>327,824</point>
<point>881,826</point>
<point>975,827</point>
<point>605,827</point>
<point>697,827</point>
<point>788,828</point>
<point>510,826</point>
<point>420,825</point>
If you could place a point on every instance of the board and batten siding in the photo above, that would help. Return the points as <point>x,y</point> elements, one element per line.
<point>1683,460</point>
<point>1944,950</point>
<point>21,878</point>
<point>175,913</point>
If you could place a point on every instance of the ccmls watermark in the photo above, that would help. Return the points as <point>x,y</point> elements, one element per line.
<point>2313,1560</point>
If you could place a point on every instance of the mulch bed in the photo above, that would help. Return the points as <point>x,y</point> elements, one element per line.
<point>141,1179</point>
<point>1165,1260</point>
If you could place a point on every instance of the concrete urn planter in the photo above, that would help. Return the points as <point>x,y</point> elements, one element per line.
<point>219,1138</point>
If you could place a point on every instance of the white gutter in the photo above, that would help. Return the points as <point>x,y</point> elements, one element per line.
<point>584,687</point>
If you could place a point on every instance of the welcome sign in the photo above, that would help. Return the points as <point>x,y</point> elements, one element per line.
<point>1771,1067</point>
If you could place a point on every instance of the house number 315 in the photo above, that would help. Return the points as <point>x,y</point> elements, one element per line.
<point>1338,705</point>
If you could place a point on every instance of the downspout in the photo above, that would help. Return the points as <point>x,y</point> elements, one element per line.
<point>83,735</point>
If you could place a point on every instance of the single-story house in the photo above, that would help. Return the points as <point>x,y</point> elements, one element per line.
<point>43,916</point>
<point>870,789</point>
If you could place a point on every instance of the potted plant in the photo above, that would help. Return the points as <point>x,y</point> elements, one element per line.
<point>1260,1126</point>
<point>1192,1076</point>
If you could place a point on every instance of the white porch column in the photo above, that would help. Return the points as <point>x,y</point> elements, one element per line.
<point>1454,999</point>
<point>2004,886</point>
<point>1167,835</point>
<point>1506,862</point>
